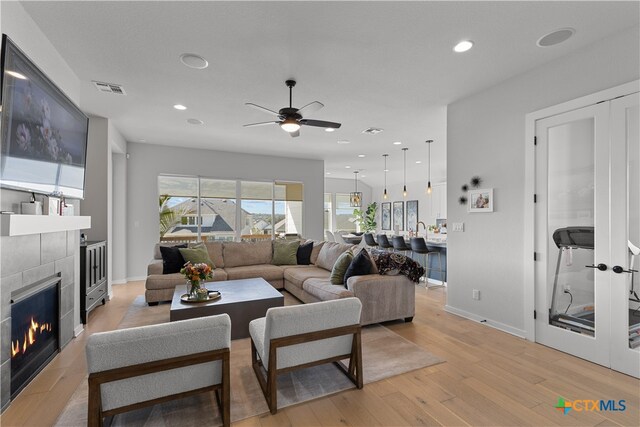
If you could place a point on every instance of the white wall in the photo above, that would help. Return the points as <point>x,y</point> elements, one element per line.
<point>486,137</point>
<point>18,25</point>
<point>118,259</point>
<point>147,161</point>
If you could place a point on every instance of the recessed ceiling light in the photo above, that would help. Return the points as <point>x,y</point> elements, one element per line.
<point>347,167</point>
<point>344,141</point>
<point>142,140</point>
<point>16,75</point>
<point>179,107</point>
<point>463,46</point>
<point>192,60</point>
<point>555,37</point>
<point>397,143</point>
<point>363,176</point>
<point>329,129</point>
<point>195,121</point>
<point>328,173</point>
<point>418,161</point>
<point>361,155</point>
<point>386,170</point>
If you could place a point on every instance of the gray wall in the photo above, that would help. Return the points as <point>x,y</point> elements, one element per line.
<point>146,162</point>
<point>119,212</point>
<point>486,137</point>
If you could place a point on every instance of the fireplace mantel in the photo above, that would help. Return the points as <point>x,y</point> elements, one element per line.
<point>20,225</point>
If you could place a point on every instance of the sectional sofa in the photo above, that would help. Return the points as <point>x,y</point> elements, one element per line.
<point>383,297</point>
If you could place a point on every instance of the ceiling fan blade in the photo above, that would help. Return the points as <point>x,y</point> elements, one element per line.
<point>266,110</point>
<point>311,107</point>
<point>261,124</point>
<point>320,123</point>
<point>295,134</point>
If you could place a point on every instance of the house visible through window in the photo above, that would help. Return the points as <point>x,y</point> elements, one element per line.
<point>193,208</point>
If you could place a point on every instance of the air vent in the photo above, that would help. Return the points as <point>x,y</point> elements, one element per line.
<point>109,88</point>
<point>372,131</point>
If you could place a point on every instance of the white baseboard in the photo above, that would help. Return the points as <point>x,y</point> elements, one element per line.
<point>135,279</point>
<point>119,282</point>
<point>78,330</point>
<point>492,323</point>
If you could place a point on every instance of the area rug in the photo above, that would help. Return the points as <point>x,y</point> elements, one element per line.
<point>384,354</point>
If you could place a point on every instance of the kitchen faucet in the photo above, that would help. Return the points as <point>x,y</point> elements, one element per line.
<point>418,226</point>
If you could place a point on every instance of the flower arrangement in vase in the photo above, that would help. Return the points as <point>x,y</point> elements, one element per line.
<point>195,273</point>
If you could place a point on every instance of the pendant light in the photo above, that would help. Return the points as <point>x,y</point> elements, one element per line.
<point>384,196</point>
<point>404,188</point>
<point>429,141</point>
<point>355,198</point>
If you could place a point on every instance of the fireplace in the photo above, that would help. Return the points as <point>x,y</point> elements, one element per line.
<point>35,339</point>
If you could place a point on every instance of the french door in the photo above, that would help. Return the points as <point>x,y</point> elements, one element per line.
<point>586,222</point>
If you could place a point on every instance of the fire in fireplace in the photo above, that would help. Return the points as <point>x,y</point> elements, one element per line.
<point>34,330</point>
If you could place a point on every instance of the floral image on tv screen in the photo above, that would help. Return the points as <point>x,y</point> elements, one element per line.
<point>44,135</point>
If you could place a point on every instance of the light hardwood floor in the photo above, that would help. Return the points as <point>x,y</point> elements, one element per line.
<point>490,378</point>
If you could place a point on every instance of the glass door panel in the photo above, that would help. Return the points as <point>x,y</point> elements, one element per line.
<point>572,232</point>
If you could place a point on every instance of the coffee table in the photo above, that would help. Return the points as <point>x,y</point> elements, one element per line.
<point>243,300</point>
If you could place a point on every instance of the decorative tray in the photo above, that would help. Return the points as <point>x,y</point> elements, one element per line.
<point>213,295</point>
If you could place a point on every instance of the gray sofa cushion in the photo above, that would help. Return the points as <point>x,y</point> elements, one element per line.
<point>324,290</point>
<point>237,254</point>
<point>298,275</point>
<point>266,271</point>
<point>329,254</point>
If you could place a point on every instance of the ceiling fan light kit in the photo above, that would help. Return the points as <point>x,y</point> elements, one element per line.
<point>291,119</point>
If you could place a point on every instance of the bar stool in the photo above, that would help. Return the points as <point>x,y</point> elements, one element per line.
<point>369,240</point>
<point>418,245</point>
<point>383,242</point>
<point>400,245</point>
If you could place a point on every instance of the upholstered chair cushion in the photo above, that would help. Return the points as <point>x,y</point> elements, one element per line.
<point>237,254</point>
<point>300,319</point>
<point>127,347</point>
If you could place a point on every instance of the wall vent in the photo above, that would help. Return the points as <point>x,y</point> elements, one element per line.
<point>109,88</point>
<point>372,131</point>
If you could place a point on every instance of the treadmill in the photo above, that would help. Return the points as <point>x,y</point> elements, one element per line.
<point>582,321</point>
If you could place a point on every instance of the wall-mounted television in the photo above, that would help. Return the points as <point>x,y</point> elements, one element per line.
<point>44,134</point>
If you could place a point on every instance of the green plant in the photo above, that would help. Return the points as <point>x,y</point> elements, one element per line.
<point>367,219</point>
<point>170,216</point>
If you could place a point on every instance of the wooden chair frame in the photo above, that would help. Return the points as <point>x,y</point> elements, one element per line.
<point>222,390</point>
<point>269,384</point>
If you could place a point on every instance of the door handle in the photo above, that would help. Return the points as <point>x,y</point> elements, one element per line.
<point>601,267</point>
<point>618,269</point>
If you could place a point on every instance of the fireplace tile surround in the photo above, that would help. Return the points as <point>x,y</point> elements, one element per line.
<point>25,260</point>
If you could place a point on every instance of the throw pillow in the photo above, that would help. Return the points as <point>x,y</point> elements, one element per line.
<point>360,266</point>
<point>285,251</point>
<point>197,254</point>
<point>172,260</point>
<point>304,253</point>
<point>340,268</point>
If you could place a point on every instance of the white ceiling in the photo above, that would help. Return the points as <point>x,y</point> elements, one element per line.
<point>373,64</point>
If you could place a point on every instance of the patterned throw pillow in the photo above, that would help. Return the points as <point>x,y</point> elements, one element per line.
<point>340,268</point>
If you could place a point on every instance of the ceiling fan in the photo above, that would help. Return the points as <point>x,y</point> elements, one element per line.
<point>290,119</point>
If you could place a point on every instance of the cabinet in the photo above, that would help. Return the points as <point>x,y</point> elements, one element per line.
<point>438,199</point>
<point>93,276</point>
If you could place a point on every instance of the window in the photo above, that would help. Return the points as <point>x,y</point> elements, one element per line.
<point>328,212</point>
<point>193,208</point>
<point>344,213</point>
<point>288,207</point>
<point>218,209</point>
<point>178,208</point>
